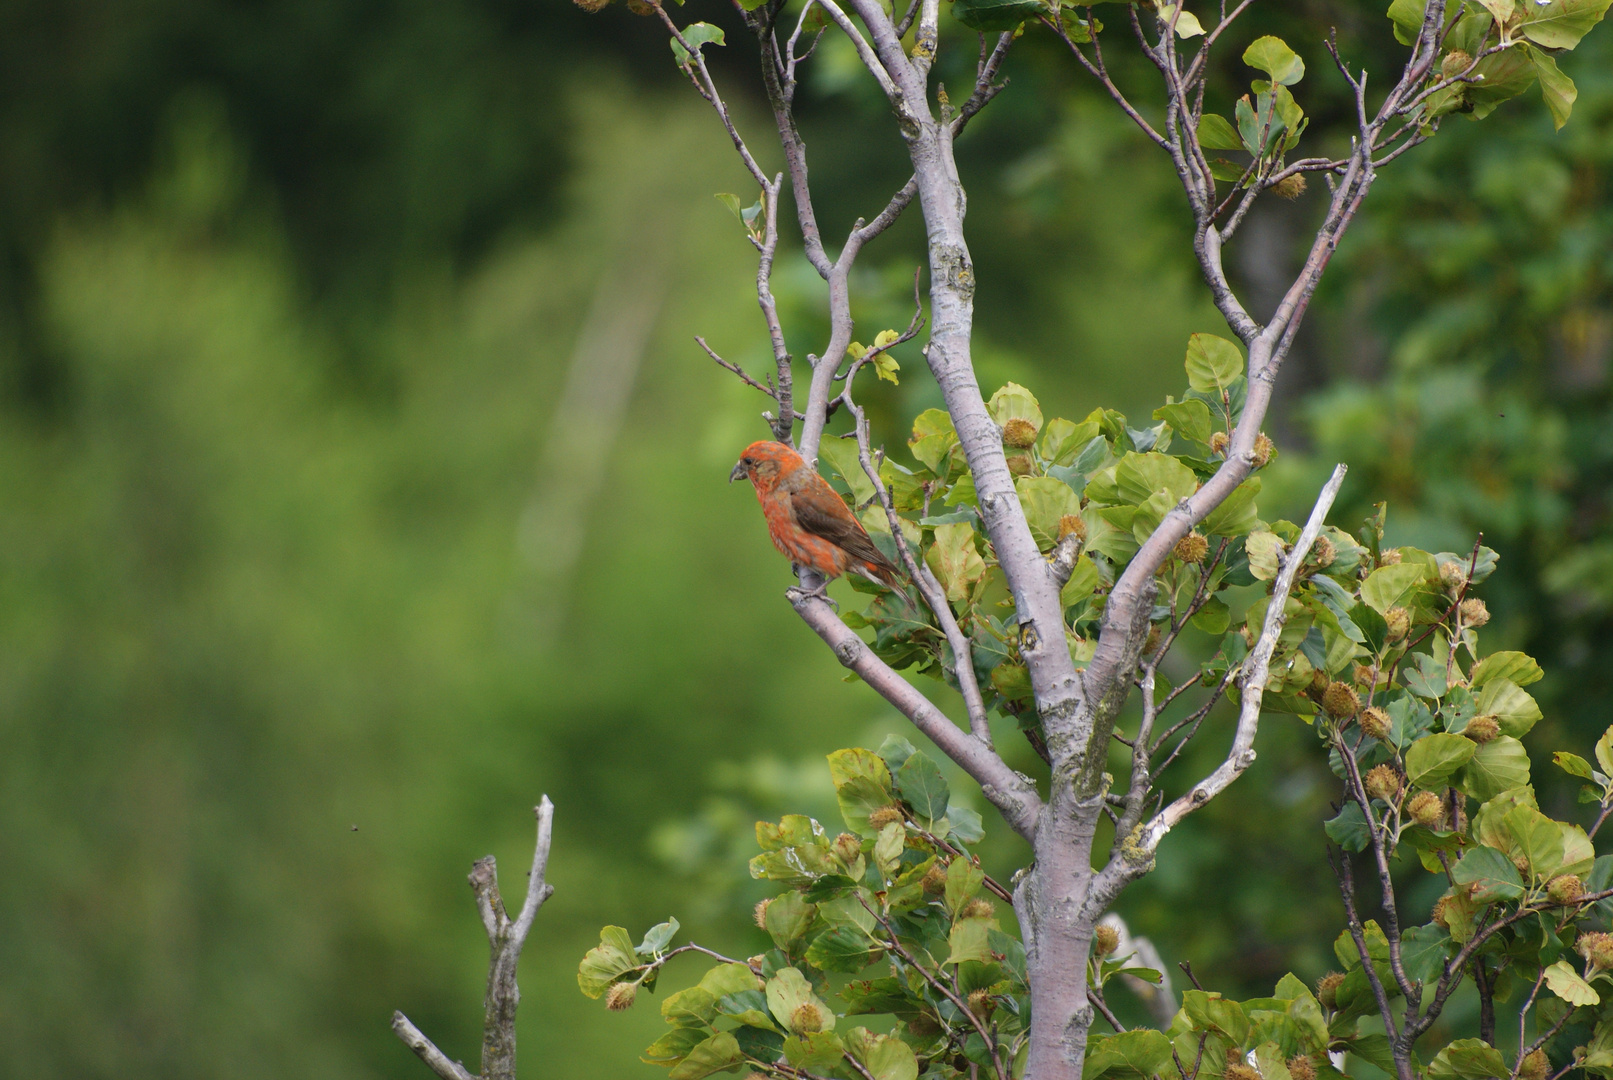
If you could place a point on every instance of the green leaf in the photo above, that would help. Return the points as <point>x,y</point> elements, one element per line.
<point>968,941</point>
<point>821,1051</point>
<point>715,1054</point>
<point>954,560</point>
<point>1185,23</point>
<point>1407,15</point>
<point>1557,89</point>
<point>1468,1059</point>
<point>996,16</point>
<point>748,1007</point>
<point>1046,500</point>
<point>655,941</point>
<point>1513,709</point>
<point>1497,766</point>
<point>787,918</point>
<point>1500,77</point>
<point>1189,419</point>
<point>1349,830</point>
<point>1237,513</point>
<point>1274,57</point>
<point>694,1007</point>
<point>1013,402</point>
<point>888,848</point>
<point>1263,549</point>
<point>964,880</point>
<point>1215,133</point>
<point>1082,584</point>
<point>1139,476</point>
<point>674,1046</point>
<point>612,957</point>
<point>1560,24</point>
<point>1214,617</point>
<point>1572,764</point>
<point>1389,586</point>
<point>787,991</point>
<point>1211,1012</point>
<point>1423,951</point>
<point>696,34</point>
<point>1500,10</point>
<point>1516,666</point>
<point>1490,873</point>
<point>1213,363</point>
<point>842,948</point>
<point>966,824</point>
<point>921,785</point>
<point>1127,1055</point>
<point>1604,752</point>
<point>885,1057</point>
<point>1434,759</point>
<point>1565,982</point>
<point>841,454</point>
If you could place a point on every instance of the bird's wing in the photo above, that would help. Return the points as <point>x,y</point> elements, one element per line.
<point>820,511</point>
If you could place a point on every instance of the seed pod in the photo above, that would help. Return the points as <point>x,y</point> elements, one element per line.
<point>1289,187</point>
<point>1482,729</point>
<point>1399,620</point>
<point>1327,989</point>
<point>1426,809</point>
<point>1240,1071</point>
<point>1301,1067</point>
<point>592,6</point>
<point>1441,913</point>
<point>1019,434</point>
<point>978,908</point>
<point>806,1018</point>
<point>1340,700</point>
<point>1192,548</point>
<point>1596,947</point>
<point>1382,783</point>
<point>1264,449</point>
<point>980,1003</point>
<point>1456,61</point>
<point>848,847</point>
<point>935,879</point>
<point>1474,612</point>
<point>1374,723</point>
<point>1389,557</point>
<point>1219,442</point>
<point>620,996</point>
<point>1106,940</point>
<point>1535,1067</point>
<point>1072,525</point>
<point>885,815</point>
<point>759,912</point>
<point>1453,575</point>
<point>1021,465</point>
<point>1565,889</point>
<point>1324,552</point>
<point>1319,680</point>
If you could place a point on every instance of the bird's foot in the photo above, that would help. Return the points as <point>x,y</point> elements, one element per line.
<point>797,594</point>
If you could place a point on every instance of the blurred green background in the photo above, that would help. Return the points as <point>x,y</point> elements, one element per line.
<point>360,481</point>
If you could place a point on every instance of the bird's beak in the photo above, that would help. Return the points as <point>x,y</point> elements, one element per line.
<point>739,471</point>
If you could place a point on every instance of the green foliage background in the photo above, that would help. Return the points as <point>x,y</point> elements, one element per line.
<point>288,295</point>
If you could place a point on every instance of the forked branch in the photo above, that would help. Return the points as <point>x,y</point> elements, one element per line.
<point>505,938</point>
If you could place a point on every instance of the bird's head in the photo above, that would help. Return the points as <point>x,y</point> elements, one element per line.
<point>762,462</point>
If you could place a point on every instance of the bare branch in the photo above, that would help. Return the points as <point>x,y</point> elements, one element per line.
<point>505,940</point>
<point>1012,794</point>
<point>1131,860</point>
<point>434,1058</point>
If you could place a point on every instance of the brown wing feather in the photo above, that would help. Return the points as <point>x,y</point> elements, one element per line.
<point>819,511</point>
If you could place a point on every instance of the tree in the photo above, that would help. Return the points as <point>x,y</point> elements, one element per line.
<point>1108,546</point>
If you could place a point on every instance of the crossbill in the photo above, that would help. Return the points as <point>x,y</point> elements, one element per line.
<point>807,519</point>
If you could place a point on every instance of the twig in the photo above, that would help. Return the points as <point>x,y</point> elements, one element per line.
<point>505,939</point>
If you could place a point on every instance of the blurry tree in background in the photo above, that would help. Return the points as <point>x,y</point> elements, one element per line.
<point>290,294</point>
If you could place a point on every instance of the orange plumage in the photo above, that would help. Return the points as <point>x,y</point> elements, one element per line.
<point>807,519</point>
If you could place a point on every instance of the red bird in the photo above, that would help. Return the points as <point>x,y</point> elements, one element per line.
<point>807,519</point>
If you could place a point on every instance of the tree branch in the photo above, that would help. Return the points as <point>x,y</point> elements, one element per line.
<point>505,940</point>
